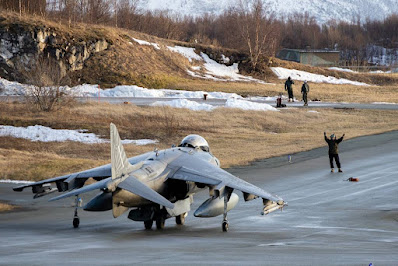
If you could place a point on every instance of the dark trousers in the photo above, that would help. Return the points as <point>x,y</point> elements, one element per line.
<point>305,99</point>
<point>336,158</point>
<point>290,92</point>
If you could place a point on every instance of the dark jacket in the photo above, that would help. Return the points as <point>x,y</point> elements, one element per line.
<point>305,88</point>
<point>288,84</point>
<point>334,144</point>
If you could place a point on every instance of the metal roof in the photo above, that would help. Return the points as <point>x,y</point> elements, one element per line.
<point>312,50</point>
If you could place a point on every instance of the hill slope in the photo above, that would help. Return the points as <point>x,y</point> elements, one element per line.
<point>323,10</point>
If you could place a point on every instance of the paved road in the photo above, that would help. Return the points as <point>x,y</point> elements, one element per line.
<point>329,221</point>
<point>145,101</point>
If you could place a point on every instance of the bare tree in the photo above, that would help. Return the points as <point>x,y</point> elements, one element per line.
<point>257,28</point>
<point>46,80</point>
<point>37,7</point>
<point>126,13</point>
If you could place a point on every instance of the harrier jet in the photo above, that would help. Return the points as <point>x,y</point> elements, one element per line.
<point>157,185</point>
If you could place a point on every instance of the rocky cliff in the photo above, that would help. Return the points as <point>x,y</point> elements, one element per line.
<point>21,43</point>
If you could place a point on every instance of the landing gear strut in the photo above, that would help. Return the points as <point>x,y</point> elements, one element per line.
<point>225,221</point>
<point>148,224</point>
<point>76,220</point>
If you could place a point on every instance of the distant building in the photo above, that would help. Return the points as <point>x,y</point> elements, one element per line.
<point>311,57</point>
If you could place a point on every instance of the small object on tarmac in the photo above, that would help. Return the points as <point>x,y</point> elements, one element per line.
<point>353,179</point>
<point>126,102</point>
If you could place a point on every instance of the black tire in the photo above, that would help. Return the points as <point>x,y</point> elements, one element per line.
<point>225,226</point>
<point>148,224</point>
<point>160,222</point>
<point>180,219</point>
<point>76,222</point>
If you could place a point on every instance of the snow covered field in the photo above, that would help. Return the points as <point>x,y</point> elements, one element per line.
<point>46,134</point>
<point>284,73</point>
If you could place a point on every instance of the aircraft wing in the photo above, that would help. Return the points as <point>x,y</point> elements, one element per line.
<point>77,180</point>
<point>206,173</point>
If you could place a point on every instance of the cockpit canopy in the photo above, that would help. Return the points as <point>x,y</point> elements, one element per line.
<point>195,141</point>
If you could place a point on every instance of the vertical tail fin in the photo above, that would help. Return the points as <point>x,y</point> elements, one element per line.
<point>120,166</point>
<point>119,162</point>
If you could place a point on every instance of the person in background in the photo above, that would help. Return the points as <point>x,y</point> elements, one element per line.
<point>333,143</point>
<point>304,90</point>
<point>289,88</point>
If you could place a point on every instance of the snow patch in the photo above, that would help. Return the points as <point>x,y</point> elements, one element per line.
<point>12,87</point>
<point>382,103</point>
<point>142,42</point>
<point>226,72</point>
<point>247,105</point>
<point>214,70</point>
<point>184,103</point>
<point>230,103</point>
<point>135,91</point>
<point>46,134</point>
<point>89,90</point>
<point>188,52</point>
<point>284,73</point>
<point>139,142</point>
<point>342,69</point>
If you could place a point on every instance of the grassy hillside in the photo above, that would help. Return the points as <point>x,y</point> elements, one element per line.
<point>128,62</point>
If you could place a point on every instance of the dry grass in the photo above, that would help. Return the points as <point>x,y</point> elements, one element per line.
<point>236,137</point>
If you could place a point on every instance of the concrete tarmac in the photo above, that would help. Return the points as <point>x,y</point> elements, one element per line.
<point>329,221</point>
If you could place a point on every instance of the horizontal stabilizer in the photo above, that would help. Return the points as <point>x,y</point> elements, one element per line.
<point>98,185</point>
<point>135,186</point>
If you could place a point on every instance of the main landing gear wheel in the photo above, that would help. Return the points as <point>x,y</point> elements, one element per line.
<point>180,219</point>
<point>160,221</point>
<point>225,226</point>
<point>76,222</point>
<point>148,224</point>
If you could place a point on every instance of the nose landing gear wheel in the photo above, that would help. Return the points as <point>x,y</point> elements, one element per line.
<point>225,226</point>
<point>148,224</point>
<point>76,222</point>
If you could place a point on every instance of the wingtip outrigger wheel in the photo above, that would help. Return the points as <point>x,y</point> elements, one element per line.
<point>76,220</point>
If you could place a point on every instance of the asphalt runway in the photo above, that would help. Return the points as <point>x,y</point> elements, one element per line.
<point>329,221</point>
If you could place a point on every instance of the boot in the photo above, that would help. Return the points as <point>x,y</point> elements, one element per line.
<point>332,171</point>
<point>340,171</point>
